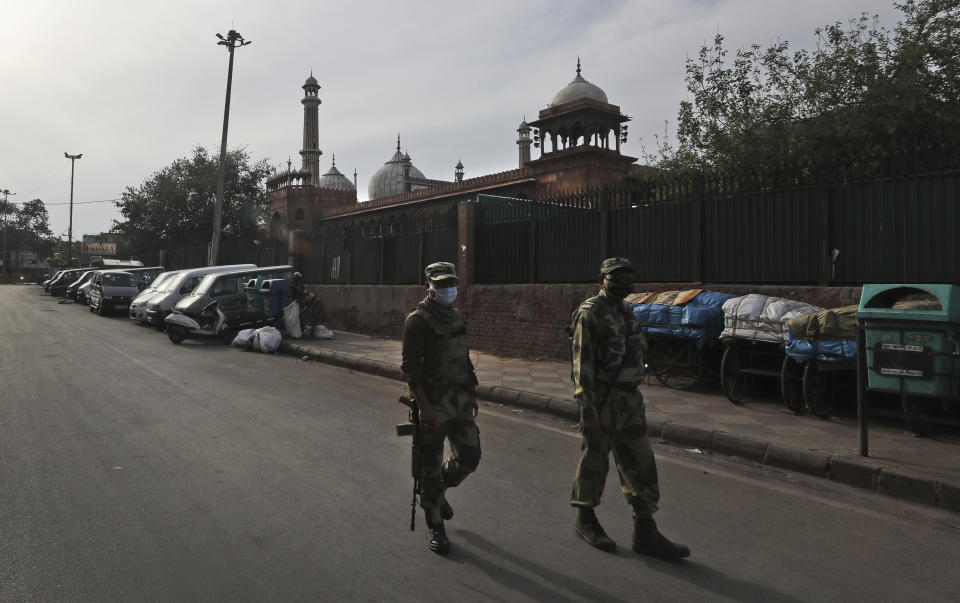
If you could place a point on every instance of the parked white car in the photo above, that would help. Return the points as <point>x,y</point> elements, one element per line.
<point>173,289</point>
<point>138,307</point>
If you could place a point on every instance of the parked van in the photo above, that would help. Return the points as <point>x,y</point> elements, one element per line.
<point>142,277</point>
<point>228,289</point>
<point>73,291</point>
<point>58,286</point>
<point>185,282</point>
<point>111,290</point>
<point>138,307</point>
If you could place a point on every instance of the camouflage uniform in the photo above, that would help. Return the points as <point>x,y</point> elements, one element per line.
<point>608,348</point>
<point>435,356</point>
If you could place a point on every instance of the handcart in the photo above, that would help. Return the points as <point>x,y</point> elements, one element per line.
<point>753,338</point>
<point>682,329</point>
<point>820,359</point>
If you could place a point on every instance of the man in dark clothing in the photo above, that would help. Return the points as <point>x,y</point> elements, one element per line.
<point>436,366</point>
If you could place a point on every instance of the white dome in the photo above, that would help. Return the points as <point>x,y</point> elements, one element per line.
<point>577,89</point>
<point>388,180</point>
<point>334,179</point>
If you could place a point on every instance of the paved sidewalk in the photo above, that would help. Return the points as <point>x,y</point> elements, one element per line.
<point>925,470</point>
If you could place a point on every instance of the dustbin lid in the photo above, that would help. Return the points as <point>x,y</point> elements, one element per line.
<point>879,301</point>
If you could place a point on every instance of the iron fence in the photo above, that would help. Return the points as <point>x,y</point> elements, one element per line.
<point>762,229</point>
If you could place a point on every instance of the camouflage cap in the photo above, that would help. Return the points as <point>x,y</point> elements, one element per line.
<point>439,271</point>
<point>611,264</point>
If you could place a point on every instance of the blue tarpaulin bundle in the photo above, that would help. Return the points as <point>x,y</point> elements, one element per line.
<point>700,318</point>
<point>829,351</point>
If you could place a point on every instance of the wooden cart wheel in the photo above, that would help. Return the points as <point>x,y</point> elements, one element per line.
<point>791,384</point>
<point>817,391</point>
<point>676,364</point>
<point>733,382</point>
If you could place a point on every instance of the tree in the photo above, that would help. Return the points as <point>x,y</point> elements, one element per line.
<point>174,207</point>
<point>27,229</point>
<point>863,97</point>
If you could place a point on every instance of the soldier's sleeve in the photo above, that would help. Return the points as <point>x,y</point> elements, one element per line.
<point>412,350</point>
<point>584,367</point>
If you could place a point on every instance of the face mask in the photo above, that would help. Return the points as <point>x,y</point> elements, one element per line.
<point>619,288</point>
<point>445,296</point>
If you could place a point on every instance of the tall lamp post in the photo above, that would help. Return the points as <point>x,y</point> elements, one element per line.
<point>6,208</point>
<point>232,41</point>
<point>72,159</point>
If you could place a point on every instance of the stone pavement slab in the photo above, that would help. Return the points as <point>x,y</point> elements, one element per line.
<point>915,468</point>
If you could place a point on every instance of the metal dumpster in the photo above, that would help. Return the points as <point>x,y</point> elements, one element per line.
<point>912,337</point>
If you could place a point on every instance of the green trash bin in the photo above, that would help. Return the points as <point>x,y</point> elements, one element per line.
<point>912,337</point>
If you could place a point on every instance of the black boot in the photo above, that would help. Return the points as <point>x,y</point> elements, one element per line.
<point>647,540</point>
<point>436,535</point>
<point>588,527</point>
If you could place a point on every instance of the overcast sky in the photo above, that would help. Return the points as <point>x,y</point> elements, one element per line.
<point>134,85</point>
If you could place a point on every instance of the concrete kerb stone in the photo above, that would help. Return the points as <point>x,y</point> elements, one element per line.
<point>908,487</point>
<point>802,461</point>
<point>686,435</point>
<point>853,473</point>
<point>504,395</point>
<point>533,401</point>
<point>741,446</point>
<point>948,496</point>
<point>561,407</point>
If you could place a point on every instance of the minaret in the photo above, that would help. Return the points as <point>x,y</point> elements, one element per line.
<point>524,142</point>
<point>311,130</point>
<point>458,171</point>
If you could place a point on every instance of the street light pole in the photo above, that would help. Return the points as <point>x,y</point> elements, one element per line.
<point>72,159</point>
<point>233,40</point>
<point>6,208</point>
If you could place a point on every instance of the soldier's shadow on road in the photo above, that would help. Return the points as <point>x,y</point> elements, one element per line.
<point>693,572</point>
<point>564,585</point>
<point>709,579</point>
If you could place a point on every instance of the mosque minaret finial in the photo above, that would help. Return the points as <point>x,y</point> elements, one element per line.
<point>398,141</point>
<point>578,65</point>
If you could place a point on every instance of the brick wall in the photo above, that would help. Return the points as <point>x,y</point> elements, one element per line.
<point>516,320</point>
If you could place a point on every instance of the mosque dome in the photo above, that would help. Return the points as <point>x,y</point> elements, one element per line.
<point>388,180</point>
<point>334,179</point>
<point>311,81</point>
<point>577,89</point>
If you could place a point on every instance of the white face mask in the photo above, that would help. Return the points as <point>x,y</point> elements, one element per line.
<point>445,296</point>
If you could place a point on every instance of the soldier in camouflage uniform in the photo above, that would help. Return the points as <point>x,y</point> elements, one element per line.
<point>436,365</point>
<point>608,347</point>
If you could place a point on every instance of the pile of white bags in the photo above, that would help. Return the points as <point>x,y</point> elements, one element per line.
<point>264,339</point>
<point>760,317</point>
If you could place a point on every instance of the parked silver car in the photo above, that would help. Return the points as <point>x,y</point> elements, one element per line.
<point>111,290</point>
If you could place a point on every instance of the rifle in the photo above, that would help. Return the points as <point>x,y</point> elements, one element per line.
<point>412,428</point>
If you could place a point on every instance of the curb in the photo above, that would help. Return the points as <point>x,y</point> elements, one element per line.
<point>844,470</point>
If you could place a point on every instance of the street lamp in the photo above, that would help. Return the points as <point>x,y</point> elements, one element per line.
<point>233,40</point>
<point>72,159</point>
<point>6,208</point>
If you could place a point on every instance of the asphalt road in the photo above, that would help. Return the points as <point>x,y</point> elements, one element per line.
<point>132,469</point>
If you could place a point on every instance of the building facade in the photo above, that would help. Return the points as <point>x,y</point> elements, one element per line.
<point>578,137</point>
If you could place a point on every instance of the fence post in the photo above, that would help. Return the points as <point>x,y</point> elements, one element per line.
<point>466,216</point>
<point>823,232</point>
<point>697,229</point>
<point>604,208</point>
<point>380,254</point>
<point>532,244</point>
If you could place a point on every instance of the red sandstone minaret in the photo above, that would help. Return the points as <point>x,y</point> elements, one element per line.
<point>311,130</point>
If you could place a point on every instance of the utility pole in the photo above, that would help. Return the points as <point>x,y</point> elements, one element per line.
<point>72,159</point>
<point>233,40</point>
<point>6,208</point>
